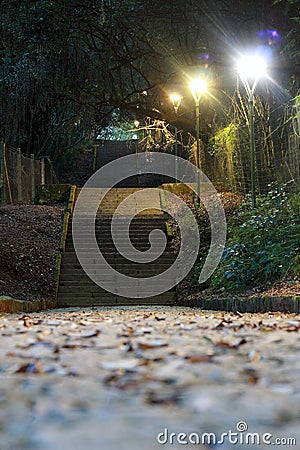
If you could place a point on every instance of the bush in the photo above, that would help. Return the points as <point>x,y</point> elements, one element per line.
<point>263,247</point>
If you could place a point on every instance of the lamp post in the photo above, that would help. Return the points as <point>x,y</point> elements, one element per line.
<point>251,69</point>
<point>137,124</point>
<point>198,87</point>
<point>176,100</point>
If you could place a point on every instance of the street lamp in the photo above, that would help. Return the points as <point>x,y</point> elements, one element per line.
<point>251,68</point>
<point>198,87</point>
<point>176,100</point>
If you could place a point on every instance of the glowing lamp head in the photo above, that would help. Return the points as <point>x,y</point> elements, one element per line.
<point>136,123</point>
<point>252,67</point>
<point>176,100</point>
<point>198,87</point>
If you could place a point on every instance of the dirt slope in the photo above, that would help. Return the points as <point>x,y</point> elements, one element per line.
<point>29,242</point>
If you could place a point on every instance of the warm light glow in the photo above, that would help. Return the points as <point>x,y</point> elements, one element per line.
<point>176,100</point>
<point>198,87</point>
<point>252,67</point>
<point>136,123</point>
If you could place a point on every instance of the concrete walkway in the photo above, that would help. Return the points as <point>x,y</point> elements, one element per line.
<point>126,378</point>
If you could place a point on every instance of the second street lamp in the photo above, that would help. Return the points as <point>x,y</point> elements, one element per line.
<point>176,100</point>
<point>198,87</point>
<point>251,68</point>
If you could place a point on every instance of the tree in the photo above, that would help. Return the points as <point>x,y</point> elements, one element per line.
<point>68,65</point>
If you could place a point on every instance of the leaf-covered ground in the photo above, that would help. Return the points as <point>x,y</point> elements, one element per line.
<point>30,237</point>
<point>115,379</point>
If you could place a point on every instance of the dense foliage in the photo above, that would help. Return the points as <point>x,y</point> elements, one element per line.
<point>263,245</point>
<point>66,66</point>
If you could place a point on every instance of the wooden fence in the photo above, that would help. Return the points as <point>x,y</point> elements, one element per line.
<point>20,175</point>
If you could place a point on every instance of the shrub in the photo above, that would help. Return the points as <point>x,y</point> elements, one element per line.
<point>264,246</point>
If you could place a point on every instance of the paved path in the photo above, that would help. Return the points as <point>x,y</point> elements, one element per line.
<point>113,379</point>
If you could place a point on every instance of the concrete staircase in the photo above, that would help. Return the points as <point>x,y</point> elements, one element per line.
<point>77,289</point>
<point>112,150</point>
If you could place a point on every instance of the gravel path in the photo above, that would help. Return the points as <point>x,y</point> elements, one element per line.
<point>124,379</point>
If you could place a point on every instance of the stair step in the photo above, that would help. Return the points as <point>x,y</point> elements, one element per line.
<point>110,252</point>
<point>167,298</point>
<point>94,288</point>
<point>81,277</point>
<point>106,238</point>
<point>86,281</point>
<point>100,229</point>
<point>108,241</point>
<point>102,220</point>
<point>122,266</point>
<point>110,249</point>
<point>139,220</point>
<point>117,260</point>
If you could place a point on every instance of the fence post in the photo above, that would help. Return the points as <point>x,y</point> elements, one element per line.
<point>43,171</point>
<point>6,182</point>
<point>19,175</point>
<point>1,173</point>
<point>95,156</point>
<point>32,176</point>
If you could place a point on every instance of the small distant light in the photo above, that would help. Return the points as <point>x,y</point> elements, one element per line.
<point>270,37</point>
<point>176,100</point>
<point>134,136</point>
<point>136,123</point>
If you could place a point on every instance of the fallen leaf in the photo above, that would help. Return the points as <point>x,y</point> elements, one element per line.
<point>234,344</point>
<point>199,358</point>
<point>252,375</point>
<point>84,336</point>
<point>30,368</point>
<point>75,346</point>
<point>127,346</point>
<point>126,364</point>
<point>221,324</point>
<point>26,322</point>
<point>163,397</point>
<point>254,356</point>
<point>237,313</point>
<point>151,344</point>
